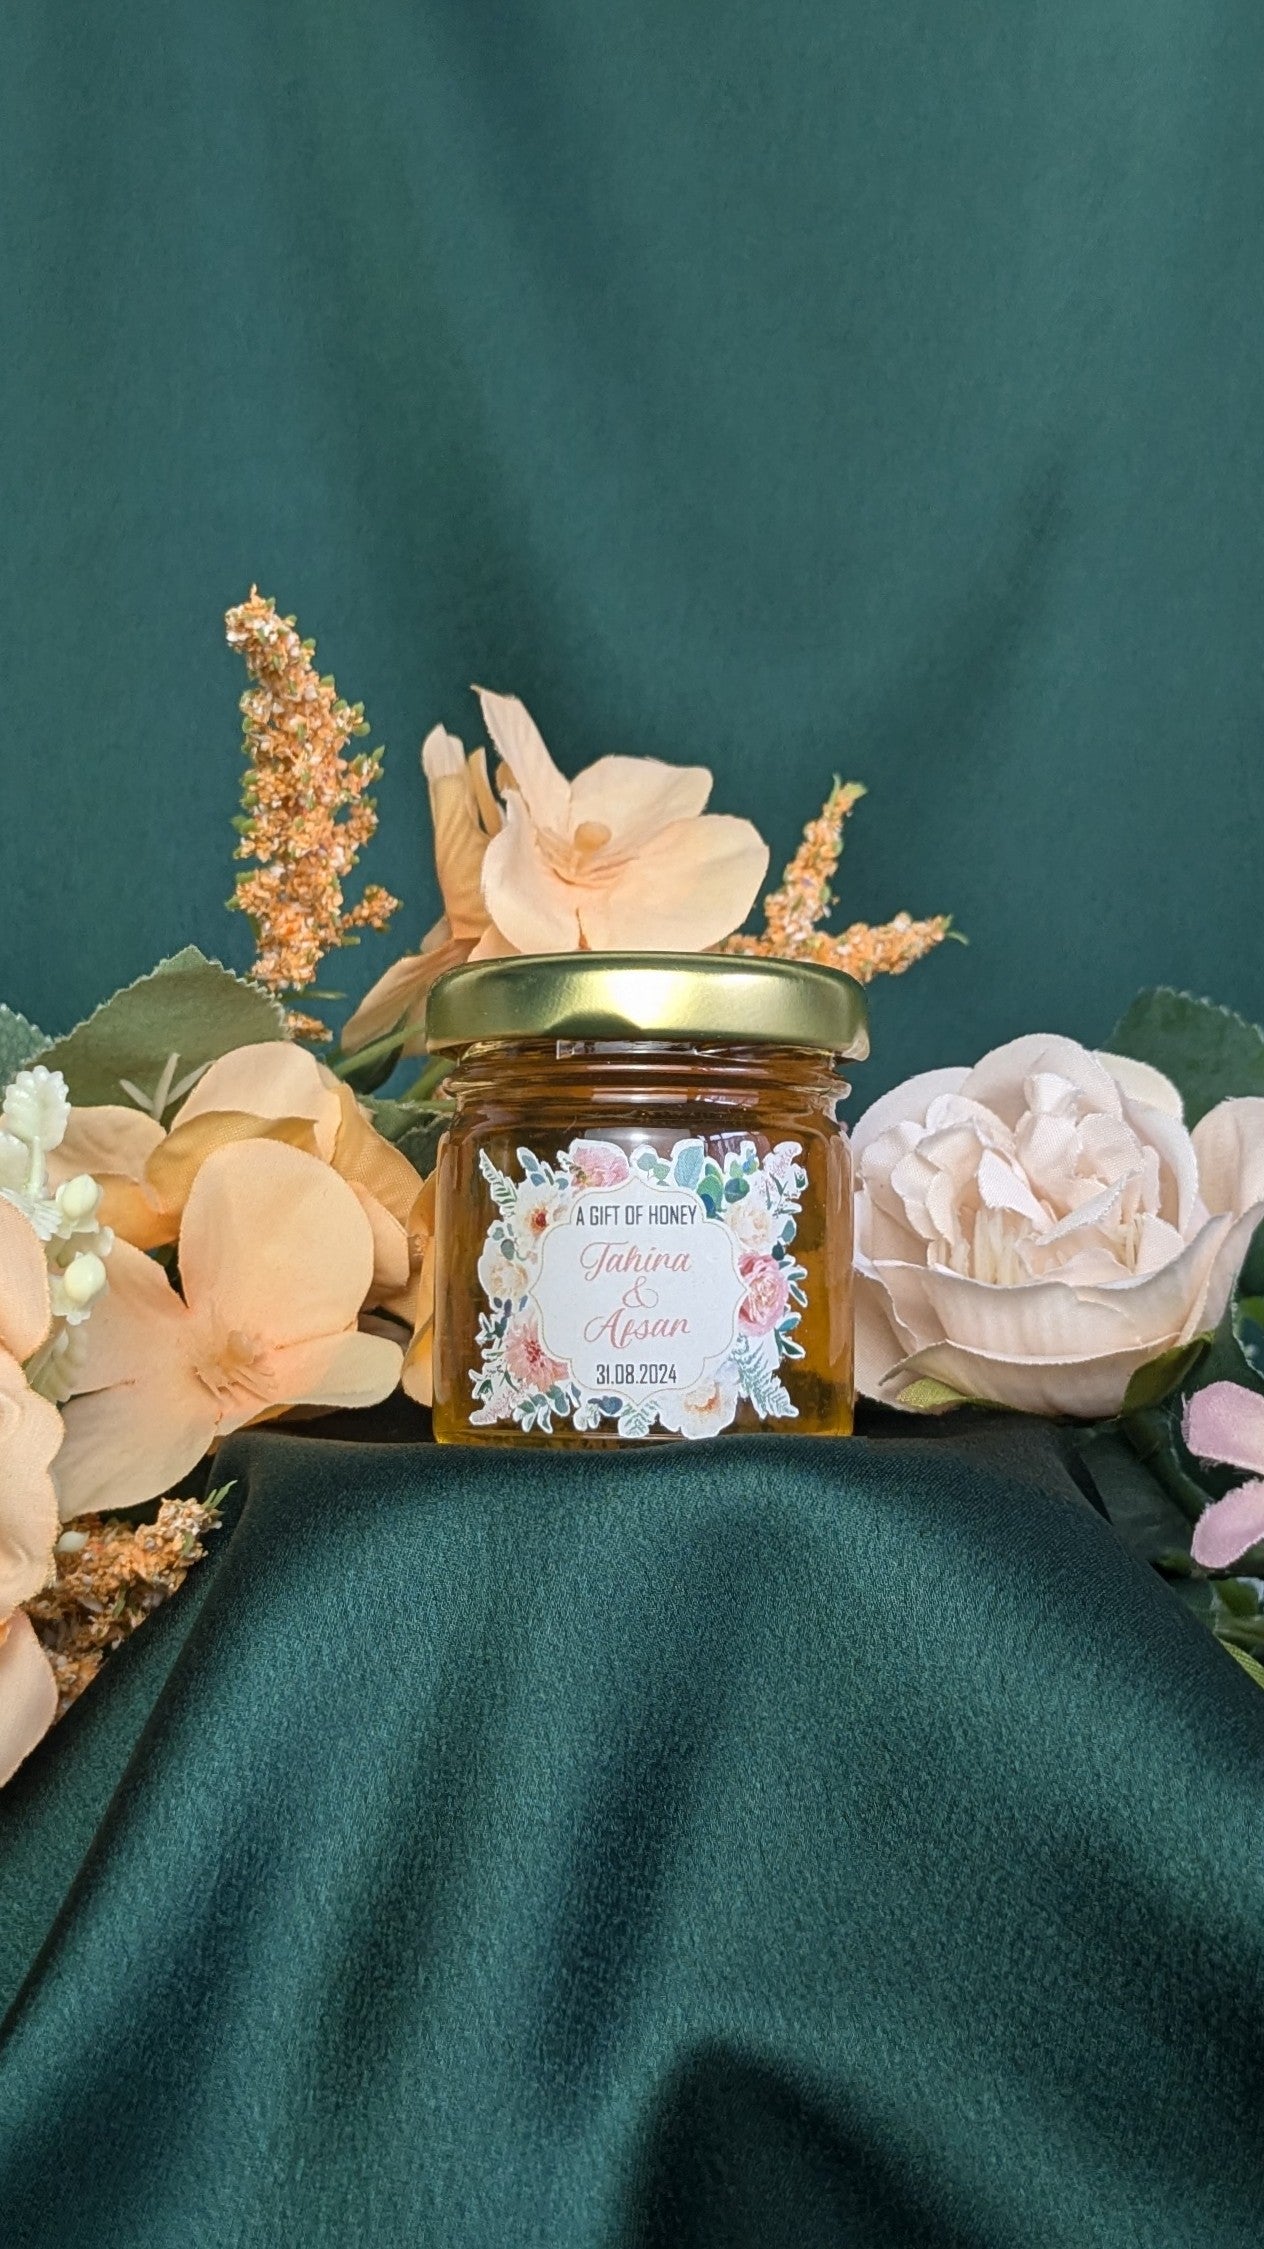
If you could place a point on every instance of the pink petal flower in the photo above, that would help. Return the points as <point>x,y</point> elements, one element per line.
<point>1230,1526</point>
<point>767,1293</point>
<point>1226,1422</point>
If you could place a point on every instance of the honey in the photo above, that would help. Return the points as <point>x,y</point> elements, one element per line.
<point>643,1212</point>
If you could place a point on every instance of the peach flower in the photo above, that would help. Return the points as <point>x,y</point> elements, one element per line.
<point>30,1433</point>
<point>465,817</point>
<point>274,1091</point>
<point>621,857</point>
<point>28,1692</point>
<point>418,1375</point>
<point>275,1261</point>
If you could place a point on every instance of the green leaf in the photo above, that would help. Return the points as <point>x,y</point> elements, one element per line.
<point>1248,1663</point>
<point>1230,1357</point>
<point>928,1396</point>
<point>1159,1377</point>
<point>1146,1517</point>
<point>366,1072</point>
<point>20,1042</point>
<point>1209,1053</point>
<point>1153,1436</point>
<point>188,1006</point>
<point>415,1127</point>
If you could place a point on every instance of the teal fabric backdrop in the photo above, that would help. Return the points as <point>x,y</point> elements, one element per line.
<point>870,385</point>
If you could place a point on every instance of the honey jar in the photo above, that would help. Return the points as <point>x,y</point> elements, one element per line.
<point>643,1205</point>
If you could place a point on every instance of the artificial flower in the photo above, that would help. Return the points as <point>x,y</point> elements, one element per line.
<point>1033,1231</point>
<point>61,1205</point>
<point>621,857</point>
<point>30,1433</point>
<point>465,816</point>
<point>795,911</point>
<point>28,1692</point>
<point>306,810</point>
<point>1225,1423</point>
<point>275,1091</point>
<point>418,1375</point>
<point>275,1262</point>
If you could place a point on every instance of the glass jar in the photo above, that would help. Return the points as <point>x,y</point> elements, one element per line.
<point>643,1209</point>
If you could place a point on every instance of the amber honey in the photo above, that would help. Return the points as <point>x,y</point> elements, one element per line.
<point>643,1238</point>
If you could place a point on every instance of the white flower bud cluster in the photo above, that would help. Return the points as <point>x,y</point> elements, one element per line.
<point>33,1119</point>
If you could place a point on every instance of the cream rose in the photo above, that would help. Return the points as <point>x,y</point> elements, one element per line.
<point>1034,1230</point>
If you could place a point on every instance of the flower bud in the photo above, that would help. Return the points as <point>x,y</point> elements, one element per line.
<point>37,1107</point>
<point>84,1278</point>
<point>78,1198</point>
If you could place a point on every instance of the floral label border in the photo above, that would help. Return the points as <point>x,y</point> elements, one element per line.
<point>518,1380</point>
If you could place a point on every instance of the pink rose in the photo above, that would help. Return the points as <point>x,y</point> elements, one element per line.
<point>767,1293</point>
<point>598,1163</point>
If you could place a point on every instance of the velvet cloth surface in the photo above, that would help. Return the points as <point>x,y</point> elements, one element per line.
<point>767,1842</point>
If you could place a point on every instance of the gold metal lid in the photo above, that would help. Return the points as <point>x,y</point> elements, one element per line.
<point>701,997</point>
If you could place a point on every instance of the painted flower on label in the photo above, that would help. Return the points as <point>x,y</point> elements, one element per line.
<point>1035,1230</point>
<point>598,1163</point>
<point>753,1221</point>
<point>681,1327</point>
<point>502,1279</point>
<point>536,1209</point>
<point>709,1407</point>
<point>526,1358</point>
<point>767,1293</point>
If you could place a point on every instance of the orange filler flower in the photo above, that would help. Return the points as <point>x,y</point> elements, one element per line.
<point>793,913</point>
<point>306,812</point>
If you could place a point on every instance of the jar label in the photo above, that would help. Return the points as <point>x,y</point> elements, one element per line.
<point>647,1290</point>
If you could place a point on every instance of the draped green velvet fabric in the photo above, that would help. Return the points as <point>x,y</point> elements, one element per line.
<point>872,386</point>
<point>762,1843</point>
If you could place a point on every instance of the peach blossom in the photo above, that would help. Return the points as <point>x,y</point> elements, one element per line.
<point>28,1692</point>
<point>418,1375</point>
<point>275,1261</point>
<point>465,817</point>
<point>623,857</point>
<point>273,1091</point>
